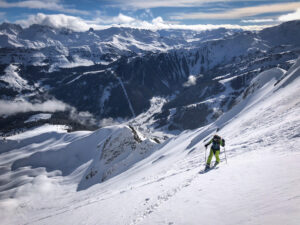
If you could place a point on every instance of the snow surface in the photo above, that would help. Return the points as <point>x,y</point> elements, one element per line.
<point>48,176</point>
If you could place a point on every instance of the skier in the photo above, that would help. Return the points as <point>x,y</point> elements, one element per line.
<point>216,141</point>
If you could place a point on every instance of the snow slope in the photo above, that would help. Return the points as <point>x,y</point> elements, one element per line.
<point>259,185</point>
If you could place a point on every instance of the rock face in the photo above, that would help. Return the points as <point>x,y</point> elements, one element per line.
<point>118,152</point>
<point>114,73</point>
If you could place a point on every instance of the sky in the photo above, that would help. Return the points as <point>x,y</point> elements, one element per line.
<point>147,14</point>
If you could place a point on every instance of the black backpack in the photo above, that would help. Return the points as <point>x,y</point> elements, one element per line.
<point>223,142</point>
<point>216,142</point>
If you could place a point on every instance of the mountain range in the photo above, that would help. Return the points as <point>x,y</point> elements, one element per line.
<point>117,74</point>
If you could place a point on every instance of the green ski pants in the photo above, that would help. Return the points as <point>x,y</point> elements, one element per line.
<point>211,153</point>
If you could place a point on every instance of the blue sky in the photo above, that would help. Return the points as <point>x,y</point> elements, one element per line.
<point>155,14</point>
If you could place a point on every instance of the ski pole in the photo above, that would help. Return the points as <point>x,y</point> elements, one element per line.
<point>225,155</point>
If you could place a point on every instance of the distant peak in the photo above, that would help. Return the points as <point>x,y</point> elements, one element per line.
<point>10,26</point>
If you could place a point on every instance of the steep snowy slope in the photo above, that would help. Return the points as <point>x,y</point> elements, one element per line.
<point>49,176</point>
<point>260,184</point>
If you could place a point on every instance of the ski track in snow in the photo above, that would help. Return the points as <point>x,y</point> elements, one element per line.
<point>160,199</point>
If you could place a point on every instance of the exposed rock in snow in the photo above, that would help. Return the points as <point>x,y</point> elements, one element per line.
<point>118,152</point>
<point>13,79</point>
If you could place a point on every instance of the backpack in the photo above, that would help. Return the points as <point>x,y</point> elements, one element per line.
<point>223,142</point>
<point>216,142</point>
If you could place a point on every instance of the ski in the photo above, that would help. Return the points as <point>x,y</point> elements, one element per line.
<point>209,169</point>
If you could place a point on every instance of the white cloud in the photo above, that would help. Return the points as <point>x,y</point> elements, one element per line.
<point>10,108</point>
<point>58,21</point>
<point>191,81</point>
<point>291,16</point>
<point>120,19</point>
<point>53,5</point>
<point>138,4</point>
<point>158,24</point>
<point>85,118</point>
<point>283,18</point>
<point>238,13</point>
<point>258,21</point>
<point>102,22</point>
<point>76,23</point>
<point>110,121</point>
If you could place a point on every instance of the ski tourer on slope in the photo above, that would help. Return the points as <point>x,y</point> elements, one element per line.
<point>216,142</point>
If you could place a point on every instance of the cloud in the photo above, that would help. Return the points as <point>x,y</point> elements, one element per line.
<point>75,23</point>
<point>138,4</point>
<point>238,13</point>
<point>158,24</point>
<point>191,81</point>
<point>85,118</point>
<point>58,21</point>
<point>10,108</point>
<point>123,19</point>
<point>283,18</point>
<point>291,16</point>
<point>110,121</point>
<point>53,5</point>
<point>103,22</point>
<point>120,19</point>
<point>258,21</point>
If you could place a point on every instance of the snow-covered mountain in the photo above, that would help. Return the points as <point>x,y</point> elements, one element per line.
<point>114,74</point>
<point>117,175</point>
<point>43,45</point>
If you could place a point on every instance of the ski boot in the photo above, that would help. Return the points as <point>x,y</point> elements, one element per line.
<point>207,167</point>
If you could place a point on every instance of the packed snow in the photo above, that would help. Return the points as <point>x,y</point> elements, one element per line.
<point>116,175</point>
